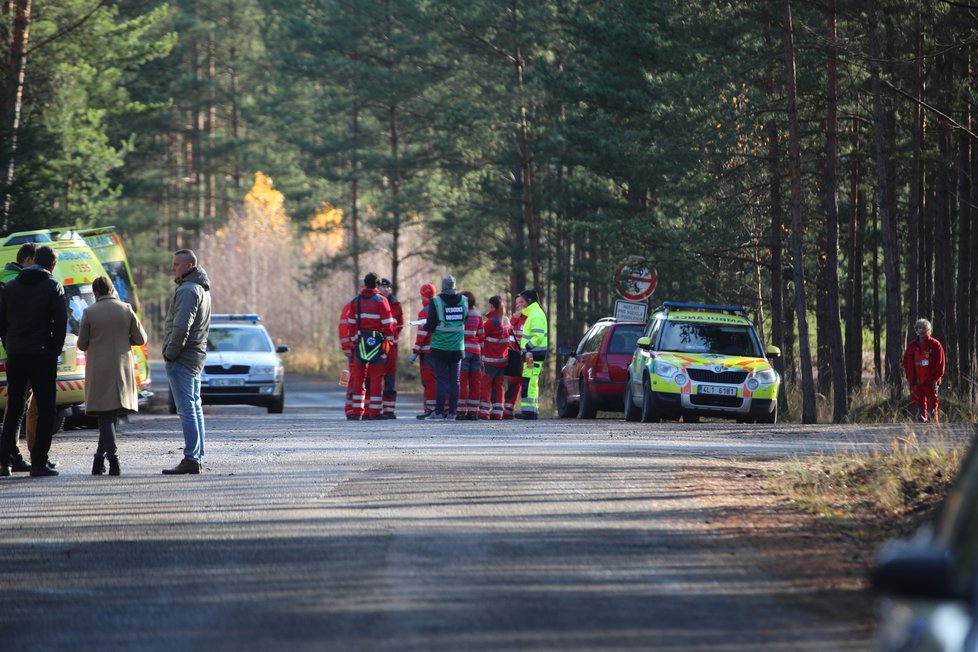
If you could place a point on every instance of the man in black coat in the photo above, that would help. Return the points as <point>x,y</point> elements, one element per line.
<point>33,323</point>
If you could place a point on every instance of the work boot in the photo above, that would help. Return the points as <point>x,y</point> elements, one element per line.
<point>98,464</point>
<point>42,471</point>
<point>114,465</point>
<point>19,465</point>
<point>186,466</point>
<point>526,416</point>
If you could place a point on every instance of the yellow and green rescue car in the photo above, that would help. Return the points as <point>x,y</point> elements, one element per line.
<point>695,360</point>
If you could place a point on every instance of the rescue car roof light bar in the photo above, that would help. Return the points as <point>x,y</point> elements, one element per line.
<point>252,317</point>
<point>675,305</point>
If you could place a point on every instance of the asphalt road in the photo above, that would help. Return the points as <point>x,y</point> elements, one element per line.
<point>308,532</point>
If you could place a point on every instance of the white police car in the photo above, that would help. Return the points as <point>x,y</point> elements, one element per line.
<point>243,366</point>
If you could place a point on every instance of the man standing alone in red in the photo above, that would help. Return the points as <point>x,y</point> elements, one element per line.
<point>923,364</point>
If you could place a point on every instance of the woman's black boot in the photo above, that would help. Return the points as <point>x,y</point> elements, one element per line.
<point>114,465</point>
<point>98,466</point>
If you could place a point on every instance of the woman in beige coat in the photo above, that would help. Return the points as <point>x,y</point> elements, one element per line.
<point>109,329</point>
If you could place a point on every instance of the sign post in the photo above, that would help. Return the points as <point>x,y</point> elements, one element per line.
<point>635,281</point>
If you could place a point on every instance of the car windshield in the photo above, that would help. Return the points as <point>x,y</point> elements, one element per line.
<point>244,339</point>
<point>722,339</point>
<point>623,341</point>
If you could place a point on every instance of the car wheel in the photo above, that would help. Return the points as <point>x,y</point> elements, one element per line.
<point>278,405</point>
<point>565,410</point>
<point>587,408</point>
<point>59,422</point>
<point>650,412</point>
<point>769,418</point>
<point>691,418</point>
<point>632,411</point>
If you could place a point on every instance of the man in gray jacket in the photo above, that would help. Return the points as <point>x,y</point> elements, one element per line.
<point>188,321</point>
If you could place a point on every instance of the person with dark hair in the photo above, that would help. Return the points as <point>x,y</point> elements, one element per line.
<point>495,355</point>
<point>446,323</point>
<point>188,322</point>
<point>24,258</point>
<point>422,352</point>
<point>514,383</point>
<point>534,345</point>
<point>390,370</point>
<point>109,330</point>
<point>33,324</point>
<point>470,373</point>
<point>370,326</point>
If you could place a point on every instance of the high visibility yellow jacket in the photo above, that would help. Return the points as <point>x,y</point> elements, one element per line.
<point>535,329</point>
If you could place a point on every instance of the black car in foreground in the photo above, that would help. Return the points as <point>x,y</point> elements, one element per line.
<point>929,583</point>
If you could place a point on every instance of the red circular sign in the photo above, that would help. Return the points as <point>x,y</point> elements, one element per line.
<point>635,279</point>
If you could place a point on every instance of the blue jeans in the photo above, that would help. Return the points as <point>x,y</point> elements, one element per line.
<point>185,389</point>
<point>446,383</point>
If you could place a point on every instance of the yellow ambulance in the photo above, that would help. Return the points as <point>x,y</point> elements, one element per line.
<point>76,269</point>
<point>106,244</point>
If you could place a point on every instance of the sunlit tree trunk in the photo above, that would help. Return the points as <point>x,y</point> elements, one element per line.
<point>15,73</point>
<point>809,408</point>
<point>833,325</point>
<point>894,333</point>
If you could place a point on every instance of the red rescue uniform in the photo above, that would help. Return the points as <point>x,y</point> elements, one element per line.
<point>371,324</point>
<point>390,371</point>
<point>923,364</point>
<point>514,383</point>
<point>470,373</point>
<point>495,355</point>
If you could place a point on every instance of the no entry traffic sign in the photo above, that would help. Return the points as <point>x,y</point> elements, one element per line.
<point>635,279</point>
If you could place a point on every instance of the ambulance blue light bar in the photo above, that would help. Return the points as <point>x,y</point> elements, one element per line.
<point>251,317</point>
<point>675,305</point>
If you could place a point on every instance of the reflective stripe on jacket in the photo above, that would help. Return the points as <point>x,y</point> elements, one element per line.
<point>535,329</point>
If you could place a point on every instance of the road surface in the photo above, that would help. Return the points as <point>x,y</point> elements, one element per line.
<point>308,532</point>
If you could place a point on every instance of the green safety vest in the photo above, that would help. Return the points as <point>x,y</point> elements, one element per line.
<point>449,334</point>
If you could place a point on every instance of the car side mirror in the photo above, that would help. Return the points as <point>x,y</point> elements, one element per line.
<point>282,348</point>
<point>919,574</point>
<point>644,343</point>
<point>565,351</point>
<point>773,352</point>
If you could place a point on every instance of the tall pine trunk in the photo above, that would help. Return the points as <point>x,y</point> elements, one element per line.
<point>777,225</point>
<point>894,332</point>
<point>13,87</point>
<point>840,393</point>
<point>809,412</point>
<point>854,279</point>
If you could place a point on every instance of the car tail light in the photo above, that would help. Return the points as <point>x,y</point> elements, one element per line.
<point>80,358</point>
<point>601,369</point>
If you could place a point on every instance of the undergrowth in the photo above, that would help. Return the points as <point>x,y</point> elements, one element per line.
<point>876,495</point>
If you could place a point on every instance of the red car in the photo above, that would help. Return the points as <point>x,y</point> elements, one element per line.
<point>594,375</point>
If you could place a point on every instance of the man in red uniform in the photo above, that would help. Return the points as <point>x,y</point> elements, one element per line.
<point>390,374</point>
<point>422,347</point>
<point>346,342</point>
<point>495,355</point>
<point>923,363</point>
<point>515,383</point>
<point>371,324</point>
<point>470,375</point>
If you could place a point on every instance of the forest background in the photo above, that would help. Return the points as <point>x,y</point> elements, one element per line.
<point>813,161</point>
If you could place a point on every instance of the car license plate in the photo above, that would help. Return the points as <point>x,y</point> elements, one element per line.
<point>718,390</point>
<point>227,382</point>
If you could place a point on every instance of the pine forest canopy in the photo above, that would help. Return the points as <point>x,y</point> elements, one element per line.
<point>812,161</point>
